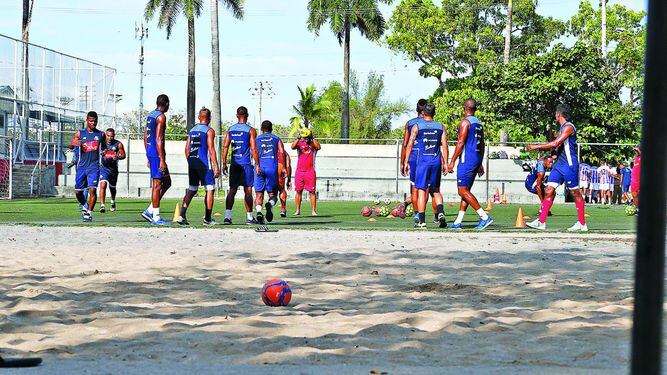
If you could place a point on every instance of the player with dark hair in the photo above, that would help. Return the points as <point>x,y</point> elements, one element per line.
<point>242,139</point>
<point>203,166</point>
<point>88,166</point>
<point>430,138</point>
<point>284,182</point>
<point>112,151</point>
<point>635,175</point>
<point>305,177</point>
<point>565,170</point>
<point>154,137</point>
<point>470,149</point>
<point>269,156</point>
<point>535,180</point>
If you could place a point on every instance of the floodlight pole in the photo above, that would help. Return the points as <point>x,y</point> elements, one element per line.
<point>141,33</point>
<point>650,258</point>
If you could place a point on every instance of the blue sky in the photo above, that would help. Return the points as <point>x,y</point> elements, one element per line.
<point>270,44</point>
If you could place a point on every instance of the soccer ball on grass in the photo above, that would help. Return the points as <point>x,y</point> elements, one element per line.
<point>631,210</point>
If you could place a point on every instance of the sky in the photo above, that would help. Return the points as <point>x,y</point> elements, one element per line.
<point>270,44</point>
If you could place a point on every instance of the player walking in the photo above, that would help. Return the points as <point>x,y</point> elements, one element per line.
<point>154,136</point>
<point>88,166</point>
<point>470,149</point>
<point>270,154</point>
<point>625,174</point>
<point>284,182</point>
<point>565,170</point>
<point>203,166</point>
<point>112,151</point>
<point>241,137</point>
<point>430,138</point>
<point>305,177</point>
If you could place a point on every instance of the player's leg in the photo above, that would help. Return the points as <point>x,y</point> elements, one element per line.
<point>249,180</point>
<point>465,180</point>
<point>556,178</point>
<point>283,201</point>
<point>103,193</point>
<point>422,185</point>
<point>113,181</point>
<point>580,203</point>
<point>260,187</point>
<point>187,199</point>
<point>439,209</point>
<point>209,183</point>
<point>310,186</point>
<point>297,201</point>
<point>635,198</point>
<point>313,202</point>
<point>435,178</point>
<point>299,186</point>
<point>272,183</point>
<point>229,201</point>
<point>81,185</point>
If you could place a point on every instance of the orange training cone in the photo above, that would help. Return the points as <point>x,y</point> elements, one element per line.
<point>177,212</point>
<point>520,222</point>
<point>489,206</point>
<point>504,198</point>
<point>496,196</point>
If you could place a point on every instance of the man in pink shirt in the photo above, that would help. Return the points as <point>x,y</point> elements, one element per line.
<point>304,178</point>
<point>634,177</point>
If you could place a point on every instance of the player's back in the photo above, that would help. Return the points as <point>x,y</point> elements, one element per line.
<point>89,153</point>
<point>584,172</point>
<point>429,136</point>
<point>267,147</point>
<point>239,135</point>
<point>414,155</point>
<point>567,152</point>
<point>198,155</point>
<point>151,133</point>
<point>473,149</point>
<point>595,176</point>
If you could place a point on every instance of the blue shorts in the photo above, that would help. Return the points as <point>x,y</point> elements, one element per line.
<point>428,176</point>
<point>466,174</point>
<point>87,177</point>
<point>625,188</point>
<point>267,181</point>
<point>200,177</point>
<point>109,175</point>
<point>413,170</point>
<point>241,175</point>
<point>156,173</point>
<point>562,173</point>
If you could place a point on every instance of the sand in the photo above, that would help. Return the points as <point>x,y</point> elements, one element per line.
<point>177,300</point>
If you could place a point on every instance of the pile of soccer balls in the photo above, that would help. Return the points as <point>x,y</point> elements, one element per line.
<point>381,208</point>
<point>630,210</point>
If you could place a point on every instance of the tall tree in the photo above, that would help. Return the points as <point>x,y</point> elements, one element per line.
<point>25,64</point>
<point>236,8</point>
<point>343,16</point>
<point>308,107</point>
<point>168,12</point>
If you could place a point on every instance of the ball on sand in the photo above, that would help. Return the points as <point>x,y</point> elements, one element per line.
<point>276,292</point>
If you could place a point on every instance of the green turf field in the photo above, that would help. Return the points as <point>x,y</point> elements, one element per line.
<point>333,215</point>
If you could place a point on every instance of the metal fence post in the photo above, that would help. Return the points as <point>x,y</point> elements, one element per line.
<point>127,163</point>
<point>488,172</point>
<point>11,167</point>
<point>398,162</point>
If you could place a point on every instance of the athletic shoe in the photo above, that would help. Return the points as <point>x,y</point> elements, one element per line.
<point>160,222</point>
<point>454,226</point>
<point>269,212</point>
<point>436,219</point>
<point>419,225</point>
<point>535,224</point>
<point>83,208</point>
<point>227,221</point>
<point>578,227</point>
<point>210,223</point>
<point>442,221</point>
<point>297,214</point>
<point>87,217</point>
<point>182,221</point>
<point>260,218</point>
<point>483,224</point>
<point>283,213</point>
<point>147,215</point>
<point>113,207</point>
<point>252,221</point>
<point>103,209</point>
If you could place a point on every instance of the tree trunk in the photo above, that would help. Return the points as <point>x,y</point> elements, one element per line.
<point>508,34</point>
<point>345,118</point>
<point>216,112</point>
<point>190,111</point>
<point>25,65</point>
<point>603,39</point>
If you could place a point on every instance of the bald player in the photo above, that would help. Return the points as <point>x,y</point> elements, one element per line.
<point>154,137</point>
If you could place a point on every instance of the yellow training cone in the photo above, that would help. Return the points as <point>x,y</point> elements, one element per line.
<point>520,222</point>
<point>177,212</point>
<point>489,206</point>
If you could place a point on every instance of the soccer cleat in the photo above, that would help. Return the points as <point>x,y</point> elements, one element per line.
<point>442,221</point>
<point>269,212</point>
<point>209,223</point>
<point>419,224</point>
<point>82,208</point>
<point>182,221</point>
<point>483,224</point>
<point>103,209</point>
<point>147,215</point>
<point>578,227</point>
<point>227,221</point>
<point>252,221</point>
<point>260,218</point>
<point>283,213</point>
<point>87,217</point>
<point>113,207</point>
<point>455,226</point>
<point>536,224</point>
<point>160,222</point>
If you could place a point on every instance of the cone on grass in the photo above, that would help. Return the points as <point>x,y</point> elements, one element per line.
<point>489,206</point>
<point>504,198</point>
<point>520,222</point>
<point>496,196</point>
<point>177,212</point>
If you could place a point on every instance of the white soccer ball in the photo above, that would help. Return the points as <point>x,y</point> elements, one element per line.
<point>376,201</point>
<point>387,201</point>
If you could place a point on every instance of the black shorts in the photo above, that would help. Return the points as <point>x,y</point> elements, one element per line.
<point>241,175</point>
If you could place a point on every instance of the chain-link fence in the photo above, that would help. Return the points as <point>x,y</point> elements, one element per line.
<point>6,162</point>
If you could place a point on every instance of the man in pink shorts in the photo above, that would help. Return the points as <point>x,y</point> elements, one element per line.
<point>634,177</point>
<point>304,178</point>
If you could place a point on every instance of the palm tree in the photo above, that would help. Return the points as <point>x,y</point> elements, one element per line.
<point>343,16</point>
<point>308,107</point>
<point>236,7</point>
<point>168,12</point>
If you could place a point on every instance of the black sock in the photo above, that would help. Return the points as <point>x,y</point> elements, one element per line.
<point>184,209</point>
<point>81,199</point>
<point>441,210</point>
<point>422,217</point>
<point>405,204</point>
<point>208,214</point>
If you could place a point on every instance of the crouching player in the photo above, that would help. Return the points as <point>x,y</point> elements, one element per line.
<point>200,152</point>
<point>431,140</point>
<point>270,154</point>
<point>565,170</point>
<point>535,180</point>
<point>112,151</point>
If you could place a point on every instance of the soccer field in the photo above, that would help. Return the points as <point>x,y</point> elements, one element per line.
<point>332,215</point>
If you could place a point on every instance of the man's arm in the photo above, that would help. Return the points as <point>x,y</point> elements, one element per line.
<point>288,166</point>
<point>75,141</point>
<point>210,141</point>
<point>121,151</point>
<point>295,144</point>
<point>159,140</point>
<point>555,143</point>
<point>464,126</point>
<point>187,147</point>
<point>408,150</point>
<point>225,151</point>
<point>253,149</point>
<point>316,145</point>
<point>445,150</point>
<point>406,139</point>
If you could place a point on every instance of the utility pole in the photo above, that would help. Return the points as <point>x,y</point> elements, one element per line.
<point>260,89</point>
<point>141,33</point>
<point>508,34</point>
<point>603,42</point>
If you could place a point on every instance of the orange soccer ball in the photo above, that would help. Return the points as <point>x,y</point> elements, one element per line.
<point>276,292</point>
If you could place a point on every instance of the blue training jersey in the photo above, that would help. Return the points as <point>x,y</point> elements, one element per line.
<point>473,150</point>
<point>626,173</point>
<point>151,131</point>
<point>531,179</point>
<point>267,147</point>
<point>239,135</point>
<point>89,151</point>
<point>198,153</point>
<point>109,149</point>
<point>567,152</point>
<point>430,140</point>
<point>414,155</point>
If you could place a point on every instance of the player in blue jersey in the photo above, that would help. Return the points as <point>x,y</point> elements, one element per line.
<point>625,174</point>
<point>154,136</point>
<point>112,151</point>
<point>535,180</point>
<point>269,156</point>
<point>565,170</point>
<point>88,166</point>
<point>203,166</point>
<point>470,152</point>
<point>241,138</point>
<point>428,138</point>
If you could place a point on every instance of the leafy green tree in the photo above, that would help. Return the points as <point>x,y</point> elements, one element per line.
<point>308,106</point>
<point>343,16</point>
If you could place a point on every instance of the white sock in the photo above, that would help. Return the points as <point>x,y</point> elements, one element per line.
<point>113,201</point>
<point>90,212</point>
<point>102,205</point>
<point>150,208</point>
<point>459,218</point>
<point>228,214</point>
<point>258,208</point>
<point>272,202</point>
<point>249,215</point>
<point>482,214</point>
<point>156,213</point>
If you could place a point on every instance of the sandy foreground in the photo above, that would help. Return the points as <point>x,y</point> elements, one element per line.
<point>132,300</point>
